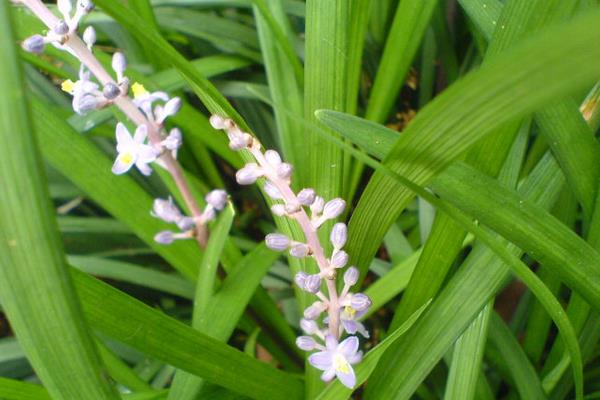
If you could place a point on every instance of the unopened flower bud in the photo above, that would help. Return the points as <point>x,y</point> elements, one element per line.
<point>317,206</point>
<point>34,44</point>
<point>339,235</point>
<point>249,174</point>
<point>61,28</point>
<point>111,91</point>
<point>339,259</point>
<point>278,209</point>
<point>238,142</point>
<point>86,103</point>
<point>217,122</point>
<point>299,250</point>
<point>171,108</point>
<point>217,198</point>
<point>277,241</point>
<point>351,276</point>
<point>306,196</point>
<point>119,63</point>
<point>313,311</point>
<point>309,326</point>
<point>272,191</point>
<point>312,283</point>
<point>334,208</point>
<point>360,301</point>
<point>86,5</point>
<point>284,170</point>
<point>187,223</point>
<point>166,211</point>
<point>306,343</point>
<point>89,36</point>
<point>273,157</point>
<point>164,237</point>
<point>300,279</point>
<point>292,208</point>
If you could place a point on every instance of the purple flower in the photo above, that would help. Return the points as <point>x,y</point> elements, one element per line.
<point>349,318</point>
<point>337,360</point>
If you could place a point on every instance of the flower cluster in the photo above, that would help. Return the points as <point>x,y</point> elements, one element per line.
<point>168,212</point>
<point>344,309</point>
<point>150,141</point>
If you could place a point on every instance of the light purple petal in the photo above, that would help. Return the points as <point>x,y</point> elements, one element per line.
<point>144,168</point>
<point>321,360</point>
<point>159,96</point>
<point>146,153</point>
<point>140,134</point>
<point>123,137</point>
<point>356,358</point>
<point>328,375</point>
<point>348,379</point>
<point>349,346</point>
<point>362,330</point>
<point>350,326</point>
<point>120,166</point>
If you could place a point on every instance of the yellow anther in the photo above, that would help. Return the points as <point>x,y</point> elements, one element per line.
<point>68,86</point>
<point>138,90</point>
<point>350,311</point>
<point>127,158</point>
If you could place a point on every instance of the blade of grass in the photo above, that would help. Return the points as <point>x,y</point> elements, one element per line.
<point>185,385</point>
<point>37,293</point>
<point>410,23</point>
<point>157,335</point>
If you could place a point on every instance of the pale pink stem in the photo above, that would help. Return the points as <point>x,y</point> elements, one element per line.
<point>126,105</point>
<point>310,233</point>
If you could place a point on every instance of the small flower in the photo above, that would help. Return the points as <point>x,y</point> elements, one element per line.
<point>359,301</point>
<point>284,170</point>
<point>339,235</point>
<point>217,122</point>
<point>299,250</point>
<point>339,259</point>
<point>272,191</point>
<point>144,99</point>
<point>306,196</point>
<point>89,36</point>
<point>306,343</point>
<point>173,141</point>
<point>119,64</point>
<point>249,174</point>
<point>277,241</point>
<point>351,276</point>
<point>337,360</point>
<point>314,310</point>
<point>349,318</point>
<point>111,91</point>
<point>309,326</point>
<point>164,237</point>
<point>312,283</point>
<point>273,158</point>
<point>278,209</point>
<point>61,28</point>
<point>166,211</point>
<point>317,206</point>
<point>34,44</point>
<point>171,108</point>
<point>334,208</point>
<point>133,151</point>
<point>217,198</point>
<point>86,94</point>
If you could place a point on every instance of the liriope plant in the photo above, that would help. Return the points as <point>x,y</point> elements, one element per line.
<point>150,143</point>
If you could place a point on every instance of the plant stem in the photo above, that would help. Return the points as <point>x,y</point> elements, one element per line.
<point>80,50</point>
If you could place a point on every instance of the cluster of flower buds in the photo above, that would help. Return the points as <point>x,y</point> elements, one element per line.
<point>59,34</point>
<point>165,210</point>
<point>344,309</point>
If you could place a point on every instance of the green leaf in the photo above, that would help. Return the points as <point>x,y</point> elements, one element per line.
<point>37,293</point>
<point>496,93</point>
<point>159,336</point>
<point>410,22</point>
<point>516,362</point>
<point>185,385</point>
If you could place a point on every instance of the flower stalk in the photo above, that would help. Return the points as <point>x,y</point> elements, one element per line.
<point>114,92</point>
<point>343,309</point>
